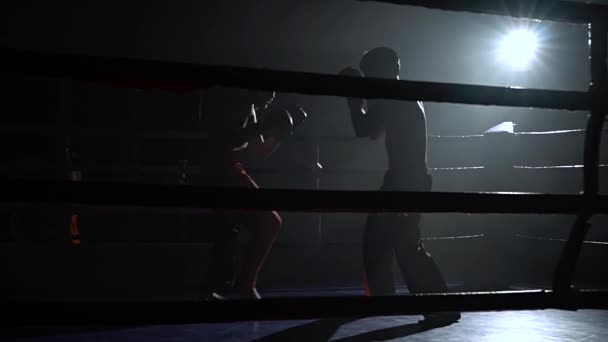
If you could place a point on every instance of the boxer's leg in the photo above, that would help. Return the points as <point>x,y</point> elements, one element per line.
<point>223,224</point>
<point>264,227</point>
<point>220,272</point>
<point>378,256</point>
<point>420,272</point>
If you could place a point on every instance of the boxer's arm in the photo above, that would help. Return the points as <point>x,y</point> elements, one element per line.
<point>358,114</point>
<point>262,137</point>
<point>359,118</point>
<point>259,149</point>
<point>366,122</point>
<point>255,144</point>
<point>262,145</point>
<point>374,124</point>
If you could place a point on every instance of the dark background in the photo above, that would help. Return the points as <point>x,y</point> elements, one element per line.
<point>140,136</point>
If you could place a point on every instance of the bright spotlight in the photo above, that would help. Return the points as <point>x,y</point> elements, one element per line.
<point>518,49</point>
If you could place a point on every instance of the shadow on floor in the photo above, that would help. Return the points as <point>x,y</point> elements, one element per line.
<point>387,333</point>
<point>321,330</point>
<point>325,329</point>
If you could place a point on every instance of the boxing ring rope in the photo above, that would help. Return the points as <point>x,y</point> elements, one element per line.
<point>172,134</point>
<point>536,238</point>
<point>551,10</point>
<point>123,71</point>
<point>183,76</point>
<point>180,196</point>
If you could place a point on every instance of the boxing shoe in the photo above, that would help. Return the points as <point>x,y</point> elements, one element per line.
<point>217,292</point>
<point>245,294</point>
<point>252,294</point>
<point>213,296</point>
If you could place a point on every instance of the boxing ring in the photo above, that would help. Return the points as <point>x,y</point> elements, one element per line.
<point>584,205</point>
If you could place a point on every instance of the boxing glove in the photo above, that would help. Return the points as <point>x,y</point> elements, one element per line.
<point>281,123</point>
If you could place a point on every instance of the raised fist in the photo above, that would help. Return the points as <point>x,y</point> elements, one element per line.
<point>281,123</point>
<point>353,103</point>
<point>298,115</point>
<point>278,123</point>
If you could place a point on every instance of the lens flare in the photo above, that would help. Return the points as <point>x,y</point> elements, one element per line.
<point>518,49</point>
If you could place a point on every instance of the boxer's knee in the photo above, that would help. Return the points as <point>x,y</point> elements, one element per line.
<point>269,224</point>
<point>274,223</point>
